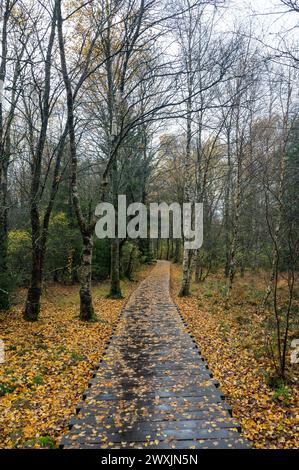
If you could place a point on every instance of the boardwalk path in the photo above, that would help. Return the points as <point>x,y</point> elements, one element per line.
<point>152,388</point>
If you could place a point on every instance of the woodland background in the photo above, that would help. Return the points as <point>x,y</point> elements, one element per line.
<point>161,101</point>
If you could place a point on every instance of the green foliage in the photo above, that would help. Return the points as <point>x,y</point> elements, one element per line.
<point>5,291</point>
<point>101,259</point>
<point>19,257</point>
<point>75,357</point>
<point>260,351</point>
<point>281,393</point>
<point>43,441</point>
<point>146,253</point>
<point>223,291</point>
<point>63,249</point>
<point>208,294</point>
<point>38,380</point>
<point>62,254</point>
<point>46,441</point>
<point>130,259</point>
<point>6,388</point>
<point>224,328</point>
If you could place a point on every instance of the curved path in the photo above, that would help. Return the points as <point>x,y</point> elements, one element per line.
<point>152,388</point>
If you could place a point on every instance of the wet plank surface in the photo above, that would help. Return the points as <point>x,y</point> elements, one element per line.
<point>153,389</point>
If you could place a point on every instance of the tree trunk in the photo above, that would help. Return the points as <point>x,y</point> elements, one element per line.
<point>129,270</point>
<point>161,249</point>
<point>4,275</point>
<point>277,230</point>
<point>115,290</point>
<point>38,232</point>
<point>188,197</point>
<point>84,274</point>
<point>233,253</point>
<point>167,249</point>
<point>198,269</point>
<point>4,278</point>
<point>227,226</point>
<point>187,273</point>
<point>177,251</point>
<point>146,250</point>
<point>235,220</point>
<point>171,249</point>
<point>32,307</point>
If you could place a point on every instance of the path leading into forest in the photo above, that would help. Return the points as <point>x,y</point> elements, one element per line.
<point>152,388</point>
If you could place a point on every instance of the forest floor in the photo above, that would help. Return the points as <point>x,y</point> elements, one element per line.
<point>232,340</point>
<point>49,363</point>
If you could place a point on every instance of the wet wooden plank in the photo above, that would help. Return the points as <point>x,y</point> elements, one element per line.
<point>238,443</point>
<point>92,435</point>
<point>215,417</point>
<point>165,409</point>
<point>210,422</point>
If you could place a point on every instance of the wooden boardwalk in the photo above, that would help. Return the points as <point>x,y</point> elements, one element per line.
<point>153,389</point>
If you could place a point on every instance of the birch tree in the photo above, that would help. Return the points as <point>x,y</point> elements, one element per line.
<point>9,78</point>
<point>39,100</point>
